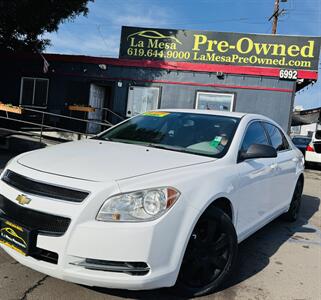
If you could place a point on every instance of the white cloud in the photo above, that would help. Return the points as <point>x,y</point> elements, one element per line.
<point>132,20</point>
<point>99,33</point>
<point>131,13</point>
<point>87,44</point>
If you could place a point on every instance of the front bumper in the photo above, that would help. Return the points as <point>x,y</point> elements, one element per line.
<point>159,243</point>
<point>158,276</point>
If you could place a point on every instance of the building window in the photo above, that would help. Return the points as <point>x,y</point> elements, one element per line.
<point>141,99</point>
<point>34,91</point>
<point>214,101</point>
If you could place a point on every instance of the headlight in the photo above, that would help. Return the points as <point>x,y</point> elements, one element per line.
<point>137,206</point>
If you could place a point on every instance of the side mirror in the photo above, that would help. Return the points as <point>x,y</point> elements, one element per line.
<point>257,151</point>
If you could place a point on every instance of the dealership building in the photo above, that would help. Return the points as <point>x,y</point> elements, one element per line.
<point>160,68</point>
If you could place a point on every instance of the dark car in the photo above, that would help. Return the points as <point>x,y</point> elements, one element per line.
<point>301,142</point>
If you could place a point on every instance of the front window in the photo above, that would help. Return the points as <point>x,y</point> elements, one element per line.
<point>34,91</point>
<point>277,138</point>
<point>255,134</point>
<point>200,134</point>
<point>214,101</point>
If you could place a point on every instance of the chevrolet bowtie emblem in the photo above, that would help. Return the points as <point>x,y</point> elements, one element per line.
<point>23,199</point>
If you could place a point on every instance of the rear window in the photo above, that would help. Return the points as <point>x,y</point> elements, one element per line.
<point>318,134</point>
<point>301,141</point>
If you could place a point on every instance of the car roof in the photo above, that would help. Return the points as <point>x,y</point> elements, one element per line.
<point>239,115</point>
<point>301,137</point>
<point>206,112</point>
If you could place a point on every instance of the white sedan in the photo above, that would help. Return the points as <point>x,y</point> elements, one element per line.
<point>160,200</point>
<point>313,150</point>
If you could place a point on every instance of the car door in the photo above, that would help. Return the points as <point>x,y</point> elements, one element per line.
<point>255,189</point>
<point>285,175</point>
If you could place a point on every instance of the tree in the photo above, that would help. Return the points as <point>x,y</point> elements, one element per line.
<point>23,22</point>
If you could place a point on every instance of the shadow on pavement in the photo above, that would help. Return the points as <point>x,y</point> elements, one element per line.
<point>254,252</point>
<point>314,167</point>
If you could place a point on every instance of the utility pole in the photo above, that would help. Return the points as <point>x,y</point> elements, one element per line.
<point>275,16</point>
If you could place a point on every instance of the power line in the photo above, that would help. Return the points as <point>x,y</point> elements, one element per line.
<point>101,35</point>
<point>242,20</point>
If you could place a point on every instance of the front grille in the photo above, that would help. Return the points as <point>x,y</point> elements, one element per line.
<point>31,186</point>
<point>34,220</point>
<point>317,147</point>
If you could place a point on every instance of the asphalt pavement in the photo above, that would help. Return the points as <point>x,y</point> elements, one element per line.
<point>281,261</point>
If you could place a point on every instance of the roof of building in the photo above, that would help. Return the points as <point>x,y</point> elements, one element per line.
<point>308,116</point>
<point>168,65</point>
<point>183,66</point>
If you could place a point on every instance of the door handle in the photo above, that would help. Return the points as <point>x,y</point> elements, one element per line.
<point>295,159</point>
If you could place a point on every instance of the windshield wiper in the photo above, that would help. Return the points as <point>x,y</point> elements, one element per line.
<point>99,138</point>
<point>116,140</point>
<point>177,149</point>
<point>168,147</point>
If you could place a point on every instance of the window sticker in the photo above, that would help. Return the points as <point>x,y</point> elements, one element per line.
<point>159,114</point>
<point>216,141</point>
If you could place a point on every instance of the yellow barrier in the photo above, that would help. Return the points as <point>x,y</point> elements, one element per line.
<point>11,108</point>
<point>81,108</point>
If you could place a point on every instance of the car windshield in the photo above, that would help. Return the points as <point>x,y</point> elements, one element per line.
<point>301,140</point>
<point>201,134</point>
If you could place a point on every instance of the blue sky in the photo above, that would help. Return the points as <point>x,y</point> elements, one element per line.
<point>98,34</point>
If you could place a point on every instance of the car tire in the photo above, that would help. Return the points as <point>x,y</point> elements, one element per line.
<point>210,256</point>
<point>292,214</point>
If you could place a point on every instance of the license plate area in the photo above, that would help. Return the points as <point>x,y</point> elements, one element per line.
<point>17,237</point>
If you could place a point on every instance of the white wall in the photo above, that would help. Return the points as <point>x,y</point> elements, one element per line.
<point>305,129</point>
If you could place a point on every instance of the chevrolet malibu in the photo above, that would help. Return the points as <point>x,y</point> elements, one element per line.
<point>160,200</point>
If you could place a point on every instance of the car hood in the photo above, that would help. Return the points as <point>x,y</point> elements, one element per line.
<point>104,160</point>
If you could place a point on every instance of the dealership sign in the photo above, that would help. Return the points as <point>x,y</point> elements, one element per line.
<point>241,49</point>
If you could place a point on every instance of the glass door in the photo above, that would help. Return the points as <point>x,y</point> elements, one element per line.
<point>141,99</point>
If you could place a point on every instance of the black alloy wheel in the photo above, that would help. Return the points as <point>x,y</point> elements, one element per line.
<point>210,255</point>
<point>293,212</point>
